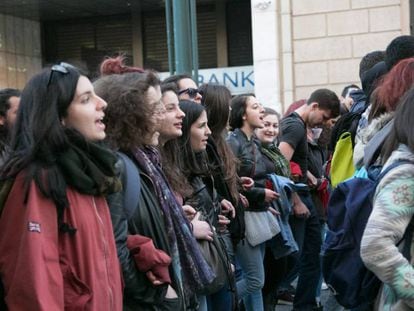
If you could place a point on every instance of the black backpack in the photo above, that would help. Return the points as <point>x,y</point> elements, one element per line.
<point>346,123</point>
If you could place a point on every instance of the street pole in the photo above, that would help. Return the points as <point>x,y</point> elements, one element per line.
<point>182,36</point>
<point>170,34</point>
<point>194,39</point>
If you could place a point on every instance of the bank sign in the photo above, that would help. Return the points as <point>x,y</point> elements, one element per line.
<point>238,79</point>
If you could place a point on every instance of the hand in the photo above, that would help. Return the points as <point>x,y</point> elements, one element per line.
<point>153,279</point>
<point>171,293</point>
<point>312,180</point>
<point>247,183</point>
<point>201,229</point>
<point>270,195</point>
<point>244,201</point>
<point>189,212</point>
<point>300,210</point>
<point>273,211</point>
<point>223,221</point>
<point>228,208</point>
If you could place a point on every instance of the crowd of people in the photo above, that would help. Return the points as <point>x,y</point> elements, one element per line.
<point>132,193</point>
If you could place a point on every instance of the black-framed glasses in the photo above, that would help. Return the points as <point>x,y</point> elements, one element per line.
<point>62,68</point>
<point>192,92</point>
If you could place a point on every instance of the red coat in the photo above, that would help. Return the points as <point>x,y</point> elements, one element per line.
<point>44,269</point>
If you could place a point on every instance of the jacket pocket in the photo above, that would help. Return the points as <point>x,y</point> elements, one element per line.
<point>76,293</point>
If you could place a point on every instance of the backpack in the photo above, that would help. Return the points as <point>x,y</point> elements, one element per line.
<point>349,208</point>
<point>346,123</point>
<point>342,146</point>
<point>131,183</point>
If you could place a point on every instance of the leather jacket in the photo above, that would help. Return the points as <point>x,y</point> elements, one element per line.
<point>205,199</point>
<point>251,165</point>
<point>146,220</point>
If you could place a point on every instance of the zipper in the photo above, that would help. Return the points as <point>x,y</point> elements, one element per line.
<point>105,253</point>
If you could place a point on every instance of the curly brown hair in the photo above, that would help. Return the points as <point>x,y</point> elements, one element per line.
<point>128,117</point>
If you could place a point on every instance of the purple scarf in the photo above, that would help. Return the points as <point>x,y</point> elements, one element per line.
<point>195,271</point>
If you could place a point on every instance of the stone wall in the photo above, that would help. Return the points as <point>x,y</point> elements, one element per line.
<point>331,36</point>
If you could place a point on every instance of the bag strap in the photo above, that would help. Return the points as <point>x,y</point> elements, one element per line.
<point>391,167</point>
<point>131,183</point>
<point>373,148</point>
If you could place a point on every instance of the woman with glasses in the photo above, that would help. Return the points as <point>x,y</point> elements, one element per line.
<point>187,88</point>
<point>57,250</point>
<point>134,115</point>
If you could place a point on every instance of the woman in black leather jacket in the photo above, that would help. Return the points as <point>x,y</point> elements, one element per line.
<point>247,115</point>
<point>133,114</point>
<point>204,198</point>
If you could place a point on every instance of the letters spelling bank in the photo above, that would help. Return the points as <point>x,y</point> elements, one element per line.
<point>239,80</point>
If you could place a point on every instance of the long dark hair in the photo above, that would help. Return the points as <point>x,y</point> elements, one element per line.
<point>216,99</point>
<point>238,109</point>
<point>39,138</point>
<point>192,163</point>
<point>179,160</point>
<point>38,134</point>
<point>402,131</point>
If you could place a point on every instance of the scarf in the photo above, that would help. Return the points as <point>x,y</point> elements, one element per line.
<point>88,167</point>
<point>186,255</point>
<point>282,167</point>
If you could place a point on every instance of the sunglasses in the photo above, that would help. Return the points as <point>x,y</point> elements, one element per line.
<point>191,92</point>
<point>62,68</point>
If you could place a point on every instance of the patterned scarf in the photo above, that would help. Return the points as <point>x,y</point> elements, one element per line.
<point>186,255</point>
<point>282,167</point>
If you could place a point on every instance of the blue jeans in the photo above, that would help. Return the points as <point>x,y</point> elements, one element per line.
<point>202,303</point>
<point>249,287</point>
<point>307,233</point>
<point>221,300</point>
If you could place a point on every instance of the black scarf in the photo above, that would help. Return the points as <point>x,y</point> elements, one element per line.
<point>88,167</point>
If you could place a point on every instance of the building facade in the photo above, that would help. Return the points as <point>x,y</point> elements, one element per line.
<point>280,49</point>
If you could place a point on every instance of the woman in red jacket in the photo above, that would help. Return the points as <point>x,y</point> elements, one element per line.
<point>57,250</point>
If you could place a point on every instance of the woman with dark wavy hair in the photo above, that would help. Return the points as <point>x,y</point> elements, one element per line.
<point>133,117</point>
<point>57,247</point>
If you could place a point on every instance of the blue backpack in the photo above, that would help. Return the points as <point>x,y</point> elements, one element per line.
<point>349,208</point>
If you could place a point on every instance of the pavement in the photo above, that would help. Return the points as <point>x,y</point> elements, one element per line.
<point>328,304</point>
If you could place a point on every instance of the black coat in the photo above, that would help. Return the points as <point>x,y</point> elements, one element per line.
<point>251,165</point>
<point>147,220</point>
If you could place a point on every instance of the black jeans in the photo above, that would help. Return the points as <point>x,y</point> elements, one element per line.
<point>307,233</point>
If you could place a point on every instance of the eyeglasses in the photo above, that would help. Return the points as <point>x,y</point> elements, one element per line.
<point>192,93</point>
<point>62,68</point>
